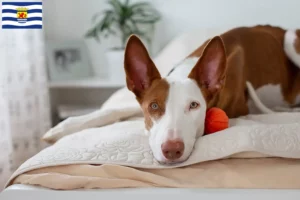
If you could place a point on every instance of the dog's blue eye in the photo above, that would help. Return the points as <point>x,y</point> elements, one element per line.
<point>154,106</point>
<point>194,105</point>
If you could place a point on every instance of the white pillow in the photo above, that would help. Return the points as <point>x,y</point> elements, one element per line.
<point>122,104</point>
<point>183,45</point>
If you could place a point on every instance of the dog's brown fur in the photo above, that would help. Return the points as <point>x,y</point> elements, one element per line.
<point>256,55</point>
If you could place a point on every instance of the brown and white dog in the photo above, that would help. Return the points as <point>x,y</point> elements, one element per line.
<point>214,75</point>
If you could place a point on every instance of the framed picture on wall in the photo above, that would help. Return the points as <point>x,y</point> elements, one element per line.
<point>67,60</point>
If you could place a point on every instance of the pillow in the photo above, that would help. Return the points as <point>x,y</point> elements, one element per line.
<point>122,104</point>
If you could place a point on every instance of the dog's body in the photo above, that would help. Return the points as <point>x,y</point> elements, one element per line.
<point>255,55</point>
<point>214,75</point>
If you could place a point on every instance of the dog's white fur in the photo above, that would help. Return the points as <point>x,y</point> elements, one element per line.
<point>289,40</point>
<point>179,122</point>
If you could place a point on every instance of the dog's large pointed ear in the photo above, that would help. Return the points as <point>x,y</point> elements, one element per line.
<point>209,71</point>
<point>140,69</point>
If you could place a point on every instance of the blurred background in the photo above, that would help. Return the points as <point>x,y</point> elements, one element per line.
<point>74,63</point>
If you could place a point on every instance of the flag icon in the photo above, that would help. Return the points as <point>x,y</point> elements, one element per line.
<point>22,15</point>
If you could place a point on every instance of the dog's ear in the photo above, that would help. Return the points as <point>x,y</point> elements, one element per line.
<point>140,69</point>
<point>209,71</point>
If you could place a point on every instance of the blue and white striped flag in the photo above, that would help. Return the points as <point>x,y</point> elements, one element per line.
<point>23,15</point>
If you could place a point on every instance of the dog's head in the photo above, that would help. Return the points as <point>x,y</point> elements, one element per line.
<point>174,108</point>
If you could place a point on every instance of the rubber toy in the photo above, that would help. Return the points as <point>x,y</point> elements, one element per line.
<point>216,120</point>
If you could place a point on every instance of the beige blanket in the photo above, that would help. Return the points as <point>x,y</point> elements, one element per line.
<point>267,173</point>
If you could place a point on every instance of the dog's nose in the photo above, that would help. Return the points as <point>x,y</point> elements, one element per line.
<point>172,149</point>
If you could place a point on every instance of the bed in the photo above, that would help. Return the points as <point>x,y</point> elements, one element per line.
<point>258,156</point>
<point>33,192</point>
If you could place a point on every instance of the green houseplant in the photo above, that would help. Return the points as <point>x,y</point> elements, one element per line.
<point>120,20</point>
<point>124,19</point>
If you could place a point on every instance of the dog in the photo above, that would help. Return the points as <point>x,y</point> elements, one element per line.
<point>214,75</point>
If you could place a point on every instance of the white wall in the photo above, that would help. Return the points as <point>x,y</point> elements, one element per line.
<point>69,19</point>
<point>182,15</point>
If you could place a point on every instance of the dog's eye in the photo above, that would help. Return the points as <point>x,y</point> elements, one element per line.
<point>154,106</point>
<point>194,105</point>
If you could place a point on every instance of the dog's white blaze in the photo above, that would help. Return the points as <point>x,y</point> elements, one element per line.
<point>184,124</point>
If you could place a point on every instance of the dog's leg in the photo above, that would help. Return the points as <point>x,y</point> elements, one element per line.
<point>234,105</point>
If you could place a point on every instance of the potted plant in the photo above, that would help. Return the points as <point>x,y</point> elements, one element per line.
<point>121,20</point>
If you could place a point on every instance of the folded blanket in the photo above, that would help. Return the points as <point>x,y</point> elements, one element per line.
<point>264,173</point>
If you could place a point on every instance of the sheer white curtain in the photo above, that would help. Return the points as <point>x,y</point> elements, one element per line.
<point>24,98</point>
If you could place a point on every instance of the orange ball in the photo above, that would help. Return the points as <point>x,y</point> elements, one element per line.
<point>216,120</point>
